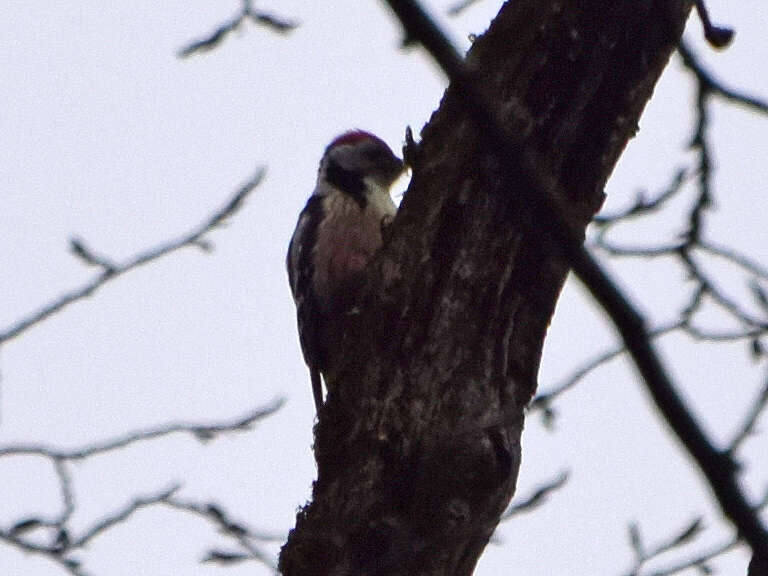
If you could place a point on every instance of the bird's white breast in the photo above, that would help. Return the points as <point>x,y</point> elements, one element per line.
<point>350,235</point>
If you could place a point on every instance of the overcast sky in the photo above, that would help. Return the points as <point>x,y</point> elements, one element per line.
<point>108,136</point>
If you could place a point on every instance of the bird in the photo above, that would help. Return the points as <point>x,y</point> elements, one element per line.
<point>340,228</point>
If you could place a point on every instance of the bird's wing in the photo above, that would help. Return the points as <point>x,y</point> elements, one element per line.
<point>300,264</point>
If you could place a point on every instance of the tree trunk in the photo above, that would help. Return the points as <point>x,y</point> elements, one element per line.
<point>418,444</point>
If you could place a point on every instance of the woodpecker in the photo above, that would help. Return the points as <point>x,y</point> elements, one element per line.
<point>338,231</point>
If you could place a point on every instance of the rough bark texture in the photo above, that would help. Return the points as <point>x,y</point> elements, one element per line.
<point>418,444</point>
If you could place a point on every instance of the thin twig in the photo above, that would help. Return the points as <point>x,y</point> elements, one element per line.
<point>643,555</point>
<point>638,251</point>
<point>238,531</point>
<point>66,563</point>
<point>543,400</point>
<point>715,86</point>
<point>65,485</point>
<point>65,543</point>
<point>89,257</point>
<point>750,421</point>
<point>717,36</point>
<point>733,256</point>
<point>537,497</point>
<point>698,560</point>
<point>120,516</point>
<point>711,289</point>
<point>643,206</point>
<point>202,432</point>
<point>247,12</point>
<point>460,6</point>
<point>113,270</point>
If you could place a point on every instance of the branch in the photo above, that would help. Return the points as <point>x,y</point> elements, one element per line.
<point>752,266</point>
<point>69,565</point>
<point>537,498</point>
<point>201,432</point>
<point>644,206</point>
<point>747,427</point>
<point>685,536</point>
<point>712,85</point>
<point>460,6</point>
<point>65,543</point>
<point>707,86</point>
<point>717,36</point>
<point>110,271</point>
<point>123,514</point>
<point>683,251</point>
<point>707,286</point>
<point>417,444</point>
<point>247,12</point>
<point>718,467</point>
<point>754,327</point>
<point>543,401</point>
<point>237,531</point>
<point>698,560</point>
<point>642,555</point>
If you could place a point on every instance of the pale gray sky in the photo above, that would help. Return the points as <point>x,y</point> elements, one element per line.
<point>108,136</point>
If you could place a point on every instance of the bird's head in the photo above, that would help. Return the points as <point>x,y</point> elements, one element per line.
<point>359,162</point>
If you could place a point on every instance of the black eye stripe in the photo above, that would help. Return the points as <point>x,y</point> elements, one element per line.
<point>376,154</point>
<point>347,181</point>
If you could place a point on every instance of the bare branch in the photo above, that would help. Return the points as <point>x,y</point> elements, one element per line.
<point>710,288</point>
<point>706,286</point>
<point>543,401</point>
<point>717,36</point>
<point>644,206</point>
<point>64,544</point>
<point>69,565</point>
<point>201,432</point>
<point>60,552</point>
<point>65,485</point>
<point>238,531</point>
<point>122,515</point>
<point>224,557</point>
<point>684,251</point>
<point>110,270</point>
<point>537,498</point>
<point>460,6</point>
<point>79,249</point>
<point>718,467</point>
<point>698,560</point>
<point>722,335</point>
<point>638,251</point>
<point>747,428</point>
<point>735,257</point>
<point>711,84</point>
<point>678,540</point>
<point>247,12</point>
<point>643,555</point>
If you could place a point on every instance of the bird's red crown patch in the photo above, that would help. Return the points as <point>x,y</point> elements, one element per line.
<point>351,137</point>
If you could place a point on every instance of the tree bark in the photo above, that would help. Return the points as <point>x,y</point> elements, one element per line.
<point>418,444</point>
